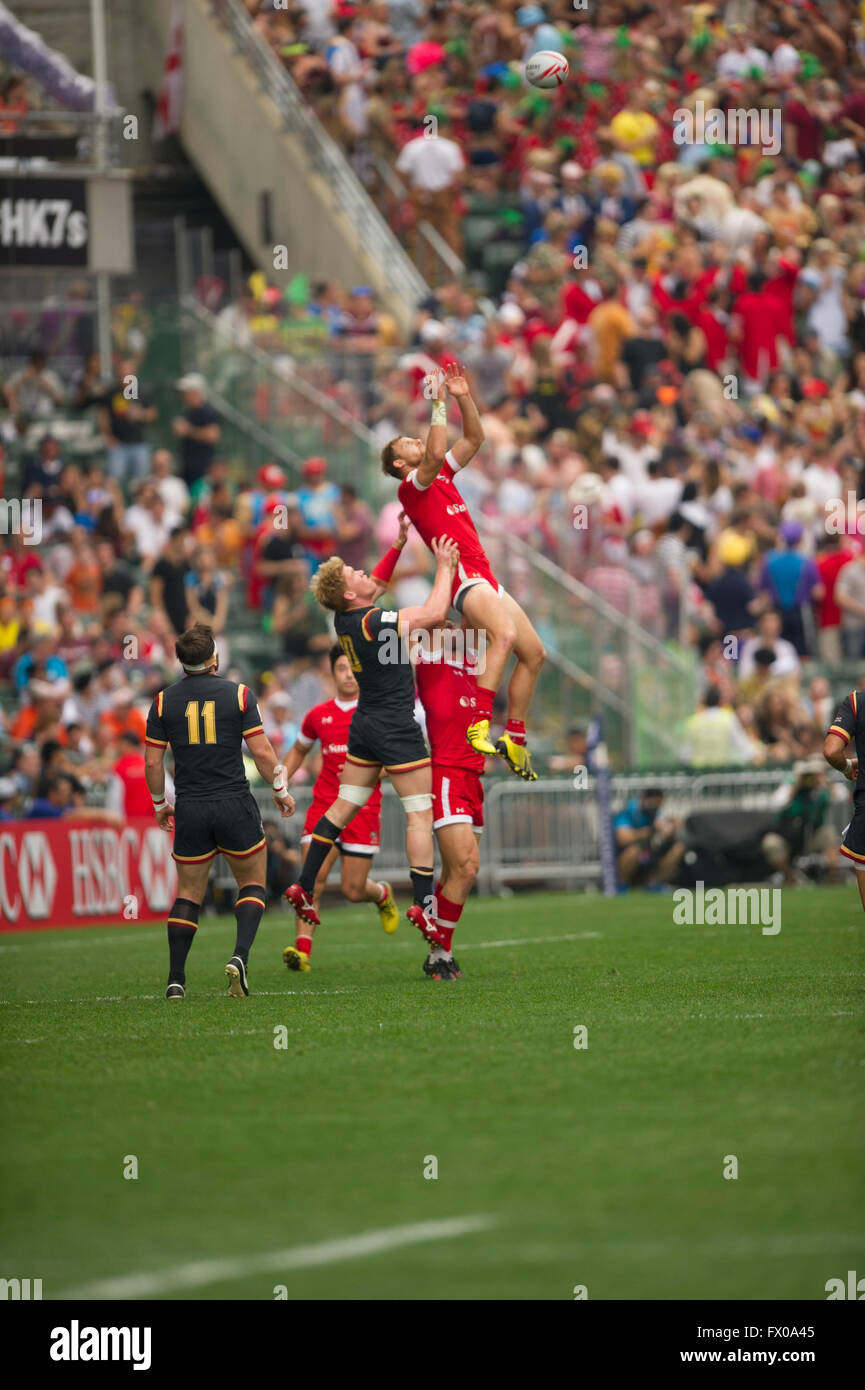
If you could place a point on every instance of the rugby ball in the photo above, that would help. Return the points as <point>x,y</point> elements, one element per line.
<point>588,489</point>
<point>547,69</point>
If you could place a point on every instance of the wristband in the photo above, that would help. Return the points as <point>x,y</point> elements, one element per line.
<point>439,413</point>
<point>160,803</point>
<point>279,784</point>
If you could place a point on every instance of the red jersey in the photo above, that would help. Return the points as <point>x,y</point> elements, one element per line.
<point>329,723</point>
<point>439,510</point>
<point>448,691</point>
<point>136,796</point>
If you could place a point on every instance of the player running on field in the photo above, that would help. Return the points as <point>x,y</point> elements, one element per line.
<point>329,723</point>
<point>849,724</point>
<point>447,687</point>
<point>204,720</point>
<point>433,502</point>
<point>383,732</point>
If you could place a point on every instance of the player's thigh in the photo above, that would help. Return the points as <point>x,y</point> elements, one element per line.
<point>192,880</point>
<point>528,645</point>
<point>415,785</point>
<point>459,848</point>
<point>485,611</point>
<point>250,869</point>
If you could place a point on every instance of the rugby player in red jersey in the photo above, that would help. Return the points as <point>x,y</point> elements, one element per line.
<point>447,687</point>
<point>329,724</point>
<point>433,502</point>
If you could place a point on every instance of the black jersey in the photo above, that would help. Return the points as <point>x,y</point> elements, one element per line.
<point>205,720</point>
<point>378,652</point>
<point>849,723</point>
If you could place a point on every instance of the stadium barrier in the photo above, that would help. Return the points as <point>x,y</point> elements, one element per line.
<point>63,873</point>
<point>546,833</point>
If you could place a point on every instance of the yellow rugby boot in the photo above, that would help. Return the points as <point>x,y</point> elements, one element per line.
<point>517,757</point>
<point>388,911</point>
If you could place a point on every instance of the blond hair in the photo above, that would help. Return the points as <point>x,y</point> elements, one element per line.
<point>328,585</point>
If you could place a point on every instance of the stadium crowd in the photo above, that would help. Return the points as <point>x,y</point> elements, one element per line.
<point>671,378</point>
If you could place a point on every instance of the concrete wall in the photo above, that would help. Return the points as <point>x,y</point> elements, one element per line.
<point>232,133</point>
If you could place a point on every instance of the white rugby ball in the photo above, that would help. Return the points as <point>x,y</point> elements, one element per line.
<point>547,69</point>
<point>588,489</point>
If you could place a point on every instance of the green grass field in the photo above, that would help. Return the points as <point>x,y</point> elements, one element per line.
<point>600,1167</point>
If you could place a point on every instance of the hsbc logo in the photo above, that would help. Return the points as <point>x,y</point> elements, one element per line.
<point>37,873</point>
<point>457,507</point>
<point>467,702</point>
<point>327,719</point>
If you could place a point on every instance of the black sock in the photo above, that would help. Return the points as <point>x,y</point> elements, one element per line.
<point>422,883</point>
<point>324,837</point>
<point>182,926</point>
<point>248,910</point>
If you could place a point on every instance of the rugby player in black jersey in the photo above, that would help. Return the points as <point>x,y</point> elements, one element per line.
<point>383,732</point>
<point>204,719</point>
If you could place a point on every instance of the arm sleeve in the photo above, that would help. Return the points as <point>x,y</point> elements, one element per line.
<point>377,620</point>
<point>844,723</point>
<point>156,733</point>
<point>251,723</point>
<point>387,564</point>
<point>308,732</point>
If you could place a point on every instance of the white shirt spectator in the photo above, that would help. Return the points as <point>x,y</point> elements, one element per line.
<point>821,483</point>
<point>734,63</point>
<point>430,165</point>
<point>658,499</point>
<point>150,535</point>
<point>786,657</point>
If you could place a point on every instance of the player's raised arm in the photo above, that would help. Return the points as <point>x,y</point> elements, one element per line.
<point>472,436</point>
<point>383,571</point>
<point>437,439</point>
<point>435,609</point>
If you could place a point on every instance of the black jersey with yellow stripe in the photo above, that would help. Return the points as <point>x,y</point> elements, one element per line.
<point>849,724</point>
<point>204,719</point>
<point>376,644</point>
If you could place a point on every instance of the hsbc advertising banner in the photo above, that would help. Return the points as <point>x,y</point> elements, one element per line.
<point>68,874</point>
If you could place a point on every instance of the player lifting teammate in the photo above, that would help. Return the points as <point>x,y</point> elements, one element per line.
<point>447,687</point>
<point>329,723</point>
<point>383,732</point>
<point>204,720</point>
<point>433,502</point>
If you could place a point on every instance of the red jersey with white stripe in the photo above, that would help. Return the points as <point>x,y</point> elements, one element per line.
<point>439,510</point>
<point>448,690</point>
<point>329,723</point>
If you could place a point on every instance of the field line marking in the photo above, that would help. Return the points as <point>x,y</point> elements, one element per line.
<point>204,1272</point>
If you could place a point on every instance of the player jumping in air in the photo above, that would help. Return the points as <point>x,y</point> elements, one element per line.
<point>447,687</point>
<point>433,502</point>
<point>359,841</point>
<point>849,723</point>
<point>204,720</point>
<point>383,732</point>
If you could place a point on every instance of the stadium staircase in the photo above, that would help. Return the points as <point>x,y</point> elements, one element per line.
<point>278,177</point>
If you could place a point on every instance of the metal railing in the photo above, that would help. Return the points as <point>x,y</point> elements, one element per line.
<point>324,155</point>
<point>546,832</point>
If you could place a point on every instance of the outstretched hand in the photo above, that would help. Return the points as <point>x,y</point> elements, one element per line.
<point>455,382</point>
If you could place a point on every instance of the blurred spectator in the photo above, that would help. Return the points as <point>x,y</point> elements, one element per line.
<point>35,391</point>
<point>198,429</point>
